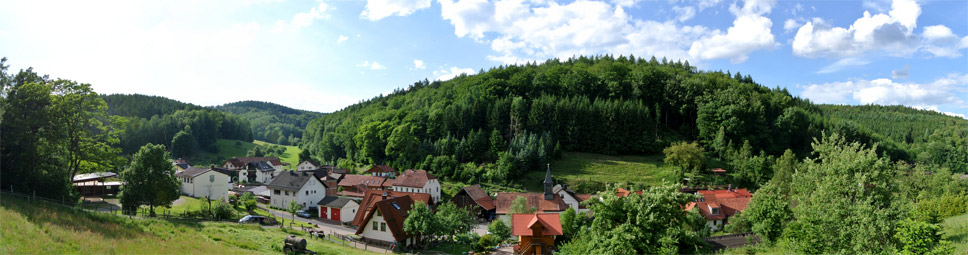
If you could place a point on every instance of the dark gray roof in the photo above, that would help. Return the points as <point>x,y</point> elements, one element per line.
<point>192,172</point>
<point>290,180</point>
<point>333,201</point>
<point>261,166</point>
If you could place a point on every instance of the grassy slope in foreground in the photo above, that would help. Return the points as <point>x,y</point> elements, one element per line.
<point>575,166</point>
<point>42,228</point>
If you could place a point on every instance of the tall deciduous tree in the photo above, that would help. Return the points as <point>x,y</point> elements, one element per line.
<point>183,144</point>
<point>520,205</point>
<point>420,221</point>
<point>402,146</point>
<point>844,200</point>
<point>769,211</point>
<point>149,180</point>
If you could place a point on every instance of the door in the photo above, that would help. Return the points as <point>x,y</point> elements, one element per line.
<point>322,212</point>
<point>335,214</point>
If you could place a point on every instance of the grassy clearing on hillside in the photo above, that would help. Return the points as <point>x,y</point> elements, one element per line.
<point>42,228</point>
<point>576,167</point>
<point>291,155</point>
<point>226,149</point>
<point>956,231</point>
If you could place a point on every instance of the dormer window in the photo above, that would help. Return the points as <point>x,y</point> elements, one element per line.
<point>715,211</point>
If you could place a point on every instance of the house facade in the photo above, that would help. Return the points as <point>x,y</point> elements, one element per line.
<point>418,181</point>
<point>381,171</point>
<point>204,182</point>
<point>301,187</point>
<point>255,169</point>
<point>383,223</point>
<point>308,165</point>
<point>339,209</point>
<point>571,198</point>
<point>536,232</point>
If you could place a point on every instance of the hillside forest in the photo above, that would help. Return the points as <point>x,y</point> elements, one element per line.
<point>827,179</point>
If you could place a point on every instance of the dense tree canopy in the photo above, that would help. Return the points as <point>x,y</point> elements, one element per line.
<point>272,122</point>
<point>149,180</point>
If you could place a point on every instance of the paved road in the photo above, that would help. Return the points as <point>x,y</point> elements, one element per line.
<point>325,227</point>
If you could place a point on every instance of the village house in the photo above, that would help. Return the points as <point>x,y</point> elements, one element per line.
<point>373,196</point>
<point>536,232</point>
<point>255,169</point>
<point>417,181</point>
<point>308,165</point>
<point>204,182</point>
<point>180,164</point>
<point>717,206</point>
<point>301,187</point>
<point>624,192</point>
<point>381,171</point>
<point>338,209</point>
<point>476,201</point>
<point>570,198</point>
<point>383,223</point>
<point>354,185</point>
<point>547,202</point>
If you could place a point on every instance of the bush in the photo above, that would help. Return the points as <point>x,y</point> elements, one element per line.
<point>222,210</point>
<point>467,238</point>
<point>486,243</point>
<point>499,229</point>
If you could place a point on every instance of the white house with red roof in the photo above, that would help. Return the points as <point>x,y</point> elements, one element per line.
<point>418,181</point>
<point>720,205</point>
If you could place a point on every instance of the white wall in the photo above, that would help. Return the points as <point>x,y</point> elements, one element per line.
<point>432,187</point>
<point>310,193</point>
<point>305,166</point>
<point>282,199</point>
<point>202,185</point>
<point>368,231</point>
<point>349,211</point>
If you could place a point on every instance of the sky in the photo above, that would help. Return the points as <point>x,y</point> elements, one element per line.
<point>323,55</point>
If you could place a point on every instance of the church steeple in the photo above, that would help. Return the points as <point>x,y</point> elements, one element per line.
<point>548,185</point>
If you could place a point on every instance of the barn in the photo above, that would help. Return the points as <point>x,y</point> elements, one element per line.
<point>339,209</point>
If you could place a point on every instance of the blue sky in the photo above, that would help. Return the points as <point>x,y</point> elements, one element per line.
<point>325,55</point>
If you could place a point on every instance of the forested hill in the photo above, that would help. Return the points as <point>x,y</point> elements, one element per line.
<point>159,120</point>
<point>143,106</point>
<point>512,119</point>
<point>272,122</point>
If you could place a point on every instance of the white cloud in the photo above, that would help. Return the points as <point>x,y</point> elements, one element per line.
<point>891,33</point>
<point>685,13</point>
<point>935,108</point>
<point>305,19</point>
<point>419,64</point>
<point>445,74</point>
<point>841,64</point>
<point>790,25</point>
<point>523,30</point>
<point>342,38</point>
<point>941,42</point>
<point>948,91</point>
<point>901,73</point>
<point>372,65</point>
<point>379,9</point>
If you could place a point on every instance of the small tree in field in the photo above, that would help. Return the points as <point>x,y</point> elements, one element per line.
<point>688,156</point>
<point>248,201</point>
<point>293,207</point>
<point>149,180</point>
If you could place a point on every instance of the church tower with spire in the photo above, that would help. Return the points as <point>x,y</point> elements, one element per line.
<point>548,185</point>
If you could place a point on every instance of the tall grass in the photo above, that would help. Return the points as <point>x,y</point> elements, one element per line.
<point>43,228</point>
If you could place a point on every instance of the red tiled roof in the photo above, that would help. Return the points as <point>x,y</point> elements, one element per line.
<point>522,223</point>
<point>394,211</point>
<point>729,202</point>
<point>413,178</point>
<point>381,169</point>
<point>536,200</point>
<point>369,181</point>
<point>624,192</point>
<point>373,196</point>
<point>718,170</point>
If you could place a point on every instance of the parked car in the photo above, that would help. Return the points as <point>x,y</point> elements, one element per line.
<point>252,219</point>
<point>303,214</point>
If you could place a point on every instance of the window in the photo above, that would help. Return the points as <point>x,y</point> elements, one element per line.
<point>277,192</point>
<point>307,192</point>
<point>374,225</point>
<point>715,211</point>
<point>211,178</point>
<point>383,226</point>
